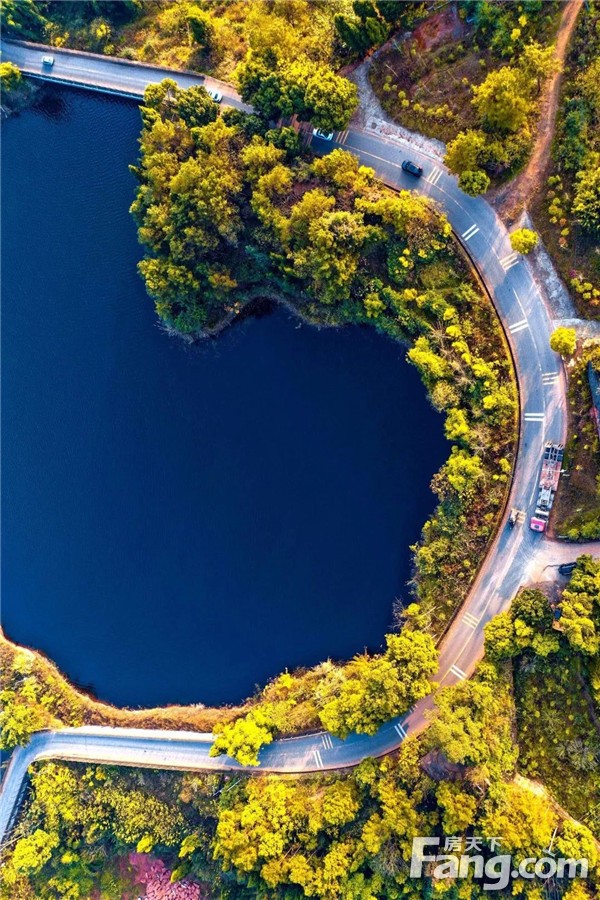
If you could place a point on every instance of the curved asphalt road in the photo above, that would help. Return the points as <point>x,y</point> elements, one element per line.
<point>542,387</point>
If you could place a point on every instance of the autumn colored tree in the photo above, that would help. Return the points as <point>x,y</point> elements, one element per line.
<point>564,341</point>
<point>523,240</point>
<point>502,101</point>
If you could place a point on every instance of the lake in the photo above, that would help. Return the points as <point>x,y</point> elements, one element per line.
<point>182,523</point>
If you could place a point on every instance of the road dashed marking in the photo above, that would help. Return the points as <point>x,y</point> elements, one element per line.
<point>342,136</point>
<point>518,326</point>
<point>434,176</point>
<point>550,378</point>
<point>471,620</point>
<point>327,742</point>
<point>470,232</point>
<point>318,759</point>
<point>400,730</point>
<point>510,260</point>
<point>534,417</point>
<point>458,672</point>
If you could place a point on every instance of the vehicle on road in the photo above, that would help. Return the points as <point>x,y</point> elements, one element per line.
<point>48,61</point>
<point>551,469</point>
<point>513,517</point>
<point>412,168</point>
<point>323,135</point>
<point>566,568</point>
<point>215,95</point>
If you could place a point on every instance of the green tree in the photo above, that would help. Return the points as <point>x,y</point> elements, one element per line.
<point>464,153</point>
<point>244,738</point>
<point>500,640</point>
<point>329,100</point>
<point>523,240</point>
<point>460,808</point>
<point>10,77</point>
<point>586,203</point>
<point>525,820</point>
<point>564,341</point>
<point>474,182</point>
<point>23,18</point>
<point>501,100</point>
<point>33,852</point>
<point>376,689</point>
<point>538,62</point>
<point>201,27</point>
<point>580,606</point>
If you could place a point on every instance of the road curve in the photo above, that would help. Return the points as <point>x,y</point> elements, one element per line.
<point>542,387</point>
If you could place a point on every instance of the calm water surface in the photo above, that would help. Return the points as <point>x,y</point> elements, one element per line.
<point>181,524</point>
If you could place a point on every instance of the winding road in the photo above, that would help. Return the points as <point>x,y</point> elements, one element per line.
<point>512,556</point>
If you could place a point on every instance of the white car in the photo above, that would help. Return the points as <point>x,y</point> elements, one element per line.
<point>48,61</point>
<point>324,135</point>
<point>217,96</point>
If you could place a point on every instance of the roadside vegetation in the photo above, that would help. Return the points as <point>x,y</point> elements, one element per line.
<point>212,37</point>
<point>16,92</point>
<point>350,835</point>
<point>577,514</point>
<point>568,213</point>
<point>557,688</point>
<point>472,76</point>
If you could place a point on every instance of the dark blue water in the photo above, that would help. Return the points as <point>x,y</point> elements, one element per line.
<point>180,524</point>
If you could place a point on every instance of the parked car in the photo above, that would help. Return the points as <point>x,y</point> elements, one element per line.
<point>323,135</point>
<point>215,95</point>
<point>48,61</point>
<point>567,568</point>
<point>512,519</point>
<point>412,168</point>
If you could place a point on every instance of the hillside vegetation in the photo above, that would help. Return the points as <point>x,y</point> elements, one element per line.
<point>350,836</point>
<point>212,37</point>
<point>568,214</point>
<point>577,514</point>
<point>471,76</point>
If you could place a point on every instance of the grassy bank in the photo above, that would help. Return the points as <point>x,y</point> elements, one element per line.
<point>35,695</point>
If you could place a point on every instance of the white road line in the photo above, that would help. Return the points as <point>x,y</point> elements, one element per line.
<point>534,417</point>
<point>342,137</point>
<point>434,176</point>
<point>507,262</point>
<point>518,326</point>
<point>468,234</point>
<point>458,672</point>
<point>471,620</point>
<point>318,759</point>
<point>400,730</point>
<point>550,377</point>
<point>327,742</point>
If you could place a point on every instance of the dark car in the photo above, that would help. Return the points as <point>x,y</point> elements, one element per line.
<point>567,568</point>
<point>412,168</point>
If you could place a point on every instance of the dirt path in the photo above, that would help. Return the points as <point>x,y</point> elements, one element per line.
<point>511,199</point>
